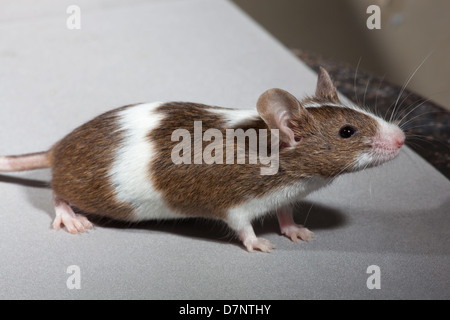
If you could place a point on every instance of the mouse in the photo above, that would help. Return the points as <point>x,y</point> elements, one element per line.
<point>176,160</point>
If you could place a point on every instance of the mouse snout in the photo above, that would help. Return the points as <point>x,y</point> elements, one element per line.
<point>398,138</point>
<point>388,141</point>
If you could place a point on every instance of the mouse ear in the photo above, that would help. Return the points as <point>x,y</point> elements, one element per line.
<point>276,107</point>
<point>325,88</point>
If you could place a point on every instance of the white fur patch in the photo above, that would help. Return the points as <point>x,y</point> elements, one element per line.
<point>382,147</point>
<point>363,160</point>
<point>233,117</point>
<point>241,216</point>
<point>349,105</point>
<point>318,105</point>
<point>130,171</point>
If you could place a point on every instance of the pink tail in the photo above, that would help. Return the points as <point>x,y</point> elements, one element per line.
<point>24,162</point>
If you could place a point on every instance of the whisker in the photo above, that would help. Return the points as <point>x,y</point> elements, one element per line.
<point>392,105</point>
<point>403,125</point>
<point>394,116</point>
<point>404,99</point>
<point>365,91</point>
<point>423,126</point>
<point>354,80</point>
<point>415,145</point>
<point>409,80</point>
<point>307,215</point>
<point>350,164</point>
<point>427,139</point>
<point>419,137</point>
<point>376,96</point>
<point>413,109</point>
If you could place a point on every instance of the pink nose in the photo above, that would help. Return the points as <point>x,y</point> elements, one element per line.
<point>400,140</point>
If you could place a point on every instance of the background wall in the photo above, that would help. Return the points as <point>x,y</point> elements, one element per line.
<point>410,31</point>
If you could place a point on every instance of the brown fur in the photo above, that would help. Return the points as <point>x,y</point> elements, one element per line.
<point>80,163</point>
<point>209,190</point>
<point>322,152</point>
<point>200,189</point>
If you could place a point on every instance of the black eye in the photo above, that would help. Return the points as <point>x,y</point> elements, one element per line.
<point>347,132</point>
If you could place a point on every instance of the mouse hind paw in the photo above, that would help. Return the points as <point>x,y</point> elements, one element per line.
<point>65,216</point>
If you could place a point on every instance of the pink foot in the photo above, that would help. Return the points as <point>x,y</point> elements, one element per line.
<point>289,228</point>
<point>251,242</point>
<point>73,222</point>
<point>297,231</point>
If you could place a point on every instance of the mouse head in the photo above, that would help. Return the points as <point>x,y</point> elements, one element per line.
<point>322,136</point>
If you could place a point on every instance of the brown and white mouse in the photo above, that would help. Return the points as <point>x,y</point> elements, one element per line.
<point>121,164</point>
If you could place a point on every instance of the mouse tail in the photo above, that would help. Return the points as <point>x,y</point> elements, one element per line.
<point>24,162</point>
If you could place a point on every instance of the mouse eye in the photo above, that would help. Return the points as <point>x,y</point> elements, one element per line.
<point>347,131</point>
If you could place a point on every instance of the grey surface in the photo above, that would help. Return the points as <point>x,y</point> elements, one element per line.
<point>53,79</point>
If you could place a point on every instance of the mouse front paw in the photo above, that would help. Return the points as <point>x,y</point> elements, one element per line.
<point>258,244</point>
<point>296,231</point>
<point>251,242</point>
